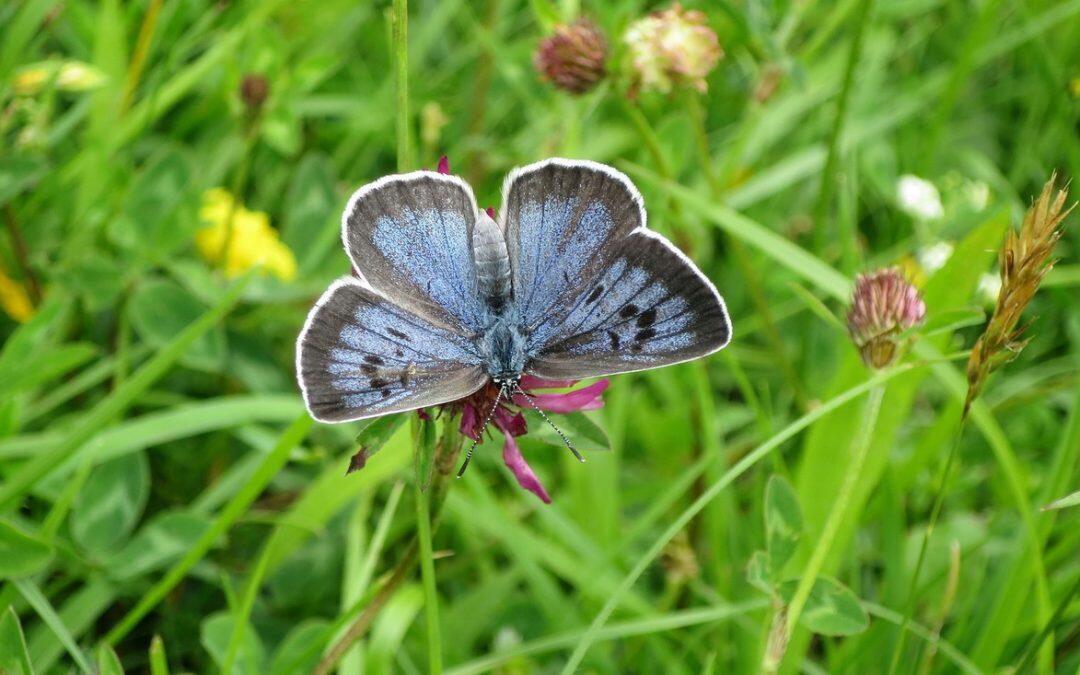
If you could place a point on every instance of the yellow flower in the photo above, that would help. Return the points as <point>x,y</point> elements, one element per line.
<point>245,237</point>
<point>14,300</point>
<point>68,76</point>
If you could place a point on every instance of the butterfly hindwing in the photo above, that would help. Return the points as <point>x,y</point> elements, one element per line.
<point>649,307</point>
<point>410,237</point>
<point>361,355</point>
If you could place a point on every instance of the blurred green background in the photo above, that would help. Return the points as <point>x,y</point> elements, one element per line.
<point>166,505</point>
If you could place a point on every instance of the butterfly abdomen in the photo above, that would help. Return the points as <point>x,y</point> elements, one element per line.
<point>492,263</point>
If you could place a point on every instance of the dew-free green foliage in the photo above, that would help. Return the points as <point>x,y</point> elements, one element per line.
<point>167,506</point>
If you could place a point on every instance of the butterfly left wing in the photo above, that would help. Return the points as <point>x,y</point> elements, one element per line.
<point>598,292</point>
<point>361,355</point>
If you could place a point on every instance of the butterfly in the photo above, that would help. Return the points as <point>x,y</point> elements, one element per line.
<point>567,284</point>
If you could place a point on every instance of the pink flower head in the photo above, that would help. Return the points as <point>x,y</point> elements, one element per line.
<point>573,56</point>
<point>508,419</point>
<point>883,305</point>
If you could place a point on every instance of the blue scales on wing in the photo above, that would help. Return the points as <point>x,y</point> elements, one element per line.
<point>410,237</point>
<point>361,355</point>
<point>598,293</point>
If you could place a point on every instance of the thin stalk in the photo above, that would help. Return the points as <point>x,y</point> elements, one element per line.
<point>821,233</point>
<point>742,466</point>
<point>232,511</point>
<point>446,455</point>
<point>22,256</point>
<point>859,451</point>
<point>401,69</point>
<point>935,512</point>
<point>742,258</point>
<point>1031,648</point>
<point>427,574</point>
<point>142,48</point>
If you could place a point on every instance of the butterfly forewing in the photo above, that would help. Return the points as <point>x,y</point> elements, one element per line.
<point>361,355</point>
<point>410,237</point>
<point>598,293</point>
<point>560,218</point>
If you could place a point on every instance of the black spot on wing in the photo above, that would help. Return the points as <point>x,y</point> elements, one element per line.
<point>398,334</point>
<point>595,295</point>
<point>646,318</point>
<point>615,341</point>
<point>374,359</point>
<point>379,383</point>
<point>368,369</point>
<point>644,334</point>
<point>628,311</point>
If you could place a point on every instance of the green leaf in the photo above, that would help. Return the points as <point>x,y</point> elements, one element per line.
<point>294,655</point>
<point>424,452</point>
<point>783,523</point>
<point>831,609</point>
<point>757,572</point>
<point>96,279</point>
<point>159,662</point>
<point>14,658</point>
<point>21,554</point>
<point>585,434</point>
<point>18,174</point>
<point>111,502</point>
<point>214,636</point>
<point>310,226</point>
<point>151,220</point>
<point>159,543</point>
<point>108,662</point>
<point>1064,502</point>
<point>160,309</point>
<point>45,365</point>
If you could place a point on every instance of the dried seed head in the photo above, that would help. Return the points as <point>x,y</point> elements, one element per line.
<point>254,89</point>
<point>883,306</point>
<point>1024,260</point>
<point>573,56</point>
<point>672,48</point>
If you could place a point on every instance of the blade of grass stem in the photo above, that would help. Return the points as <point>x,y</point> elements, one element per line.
<point>709,494</point>
<point>236,507</point>
<point>20,482</point>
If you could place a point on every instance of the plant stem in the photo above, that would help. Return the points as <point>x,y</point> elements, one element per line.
<point>821,233</point>
<point>742,258</point>
<point>236,507</point>
<point>859,451</point>
<point>401,67</point>
<point>750,459</point>
<point>935,511</point>
<point>22,256</point>
<point>446,454</point>
<point>427,573</point>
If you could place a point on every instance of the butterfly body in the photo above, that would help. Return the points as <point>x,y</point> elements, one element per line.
<point>567,284</point>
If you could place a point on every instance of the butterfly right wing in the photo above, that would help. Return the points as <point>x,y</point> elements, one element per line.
<point>361,355</point>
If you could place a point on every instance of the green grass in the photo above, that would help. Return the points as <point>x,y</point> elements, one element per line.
<point>167,506</point>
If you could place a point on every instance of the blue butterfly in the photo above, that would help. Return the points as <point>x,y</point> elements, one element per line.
<point>568,284</point>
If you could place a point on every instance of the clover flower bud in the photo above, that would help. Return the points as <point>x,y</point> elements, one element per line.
<point>883,306</point>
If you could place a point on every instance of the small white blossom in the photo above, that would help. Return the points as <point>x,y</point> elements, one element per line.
<point>978,194</point>
<point>932,258</point>
<point>919,198</point>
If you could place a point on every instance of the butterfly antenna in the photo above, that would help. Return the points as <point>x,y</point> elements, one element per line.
<point>480,435</point>
<point>548,420</point>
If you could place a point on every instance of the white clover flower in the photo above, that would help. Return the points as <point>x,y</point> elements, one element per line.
<point>919,198</point>
<point>932,258</point>
<point>977,193</point>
